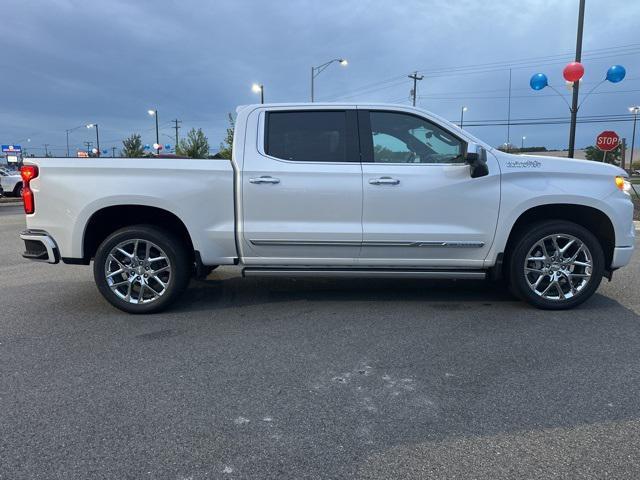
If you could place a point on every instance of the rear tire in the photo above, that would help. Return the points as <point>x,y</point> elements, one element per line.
<point>17,190</point>
<point>556,265</point>
<point>142,269</point>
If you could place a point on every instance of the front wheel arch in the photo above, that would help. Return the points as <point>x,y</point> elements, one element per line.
<point>594,220</point>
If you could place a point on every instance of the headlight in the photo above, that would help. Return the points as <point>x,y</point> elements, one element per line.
<point>623,184</point>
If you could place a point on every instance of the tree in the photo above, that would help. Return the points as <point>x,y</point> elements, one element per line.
<point>132,146</point>
<point>614,156</point>
<point>196,145</point>
<point>226,147</point>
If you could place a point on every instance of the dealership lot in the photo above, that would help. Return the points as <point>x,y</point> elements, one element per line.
<point>279,378</point>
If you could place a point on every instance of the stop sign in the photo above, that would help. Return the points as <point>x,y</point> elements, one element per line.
<point>607,141</point>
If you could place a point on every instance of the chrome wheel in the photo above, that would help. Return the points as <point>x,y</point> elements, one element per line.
<point>558,267</point>
<point>138,271</point>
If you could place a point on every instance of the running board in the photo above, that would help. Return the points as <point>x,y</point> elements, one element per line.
<point>364,273</point>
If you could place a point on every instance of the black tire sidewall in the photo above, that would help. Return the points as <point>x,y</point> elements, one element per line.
<point>538,231</point>
<point>172,246</point>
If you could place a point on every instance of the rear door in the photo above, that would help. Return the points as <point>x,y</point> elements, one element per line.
<point>421,207</point>
<point>302,188</point>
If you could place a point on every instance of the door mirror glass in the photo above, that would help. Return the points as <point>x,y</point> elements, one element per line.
<point>476,157</point>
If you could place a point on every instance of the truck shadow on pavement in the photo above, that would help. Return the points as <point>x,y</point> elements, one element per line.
<point>252,291</point>
<point>225,293</point>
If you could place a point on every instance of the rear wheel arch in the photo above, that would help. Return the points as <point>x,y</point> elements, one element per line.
<point>107,220</point>
<point>593,219</point>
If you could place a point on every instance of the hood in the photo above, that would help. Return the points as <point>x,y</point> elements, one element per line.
<point>541,163</point>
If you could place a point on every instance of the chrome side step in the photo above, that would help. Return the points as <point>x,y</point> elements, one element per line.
<point>364,273</point>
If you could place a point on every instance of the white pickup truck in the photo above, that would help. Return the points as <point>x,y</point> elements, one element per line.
<point>334,190</point>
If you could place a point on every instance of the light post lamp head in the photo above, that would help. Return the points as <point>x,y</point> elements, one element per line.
<point>90,125</point>
<point>343,62</point>
<point>464,109</point>
<point>635,109</point>
<point>256,88</point>
<point>152,112</point>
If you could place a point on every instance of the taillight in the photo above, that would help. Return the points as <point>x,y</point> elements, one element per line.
<point>28,173</point>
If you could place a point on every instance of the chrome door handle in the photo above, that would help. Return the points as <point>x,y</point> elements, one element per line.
<point>264,180</point>
<point>384,181</point>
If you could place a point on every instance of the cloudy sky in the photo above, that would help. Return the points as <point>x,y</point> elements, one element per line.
<point>70,62</point>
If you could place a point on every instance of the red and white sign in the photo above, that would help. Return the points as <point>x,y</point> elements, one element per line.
<point>607,141</point>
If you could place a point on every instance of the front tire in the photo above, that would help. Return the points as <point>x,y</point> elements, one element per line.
<point>556,265</point>
<point>141,269</point>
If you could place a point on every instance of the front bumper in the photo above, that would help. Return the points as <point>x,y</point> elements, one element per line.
<point>39,246</point>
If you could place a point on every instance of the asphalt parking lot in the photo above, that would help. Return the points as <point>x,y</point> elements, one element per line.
<point>278,378</point>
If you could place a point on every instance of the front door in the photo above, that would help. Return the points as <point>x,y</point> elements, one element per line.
<point>302,189</point>
<point>420,205</point>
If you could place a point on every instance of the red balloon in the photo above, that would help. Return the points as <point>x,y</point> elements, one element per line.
<point>573,72</point>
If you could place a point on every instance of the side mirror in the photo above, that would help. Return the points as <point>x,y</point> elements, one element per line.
<point>476,157</point>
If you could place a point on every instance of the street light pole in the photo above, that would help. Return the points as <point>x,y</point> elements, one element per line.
<point>576,85</point>
<point>635,110</point>
<point>462,110</point>
<point>315,71</point>
<point>95,125</point>
<point>258,88</point>
<point>154,113</point>
<point>522,143</point>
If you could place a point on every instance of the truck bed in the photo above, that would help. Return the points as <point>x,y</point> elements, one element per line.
<point>199,192</point>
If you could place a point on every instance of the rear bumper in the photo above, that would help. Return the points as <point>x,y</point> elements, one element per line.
<point>39,246</point>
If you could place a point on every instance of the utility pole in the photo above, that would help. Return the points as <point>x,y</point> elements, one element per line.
<point>576,85</point>
<point>509,116</point>
<point>113,152</point>
<point>635,110</point>
<point>415,78</point>
<point>67,141</point>
<point>88,144</point>
<point>176,126</point>
<point>46,149</point>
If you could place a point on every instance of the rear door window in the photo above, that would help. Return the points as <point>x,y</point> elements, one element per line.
<point>312,136</point>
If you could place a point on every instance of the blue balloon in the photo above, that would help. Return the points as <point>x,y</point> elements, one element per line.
<point>105,151</point>
<point>616,73</point>
<point>167,146</point>
<point>147,146</point>
<point>538,81</point>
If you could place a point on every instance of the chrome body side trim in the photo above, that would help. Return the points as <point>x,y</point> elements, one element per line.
<point>307,243</point>
<point>367,243</point>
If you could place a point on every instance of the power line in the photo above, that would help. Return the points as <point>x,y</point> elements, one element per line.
<point>594,54</point>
